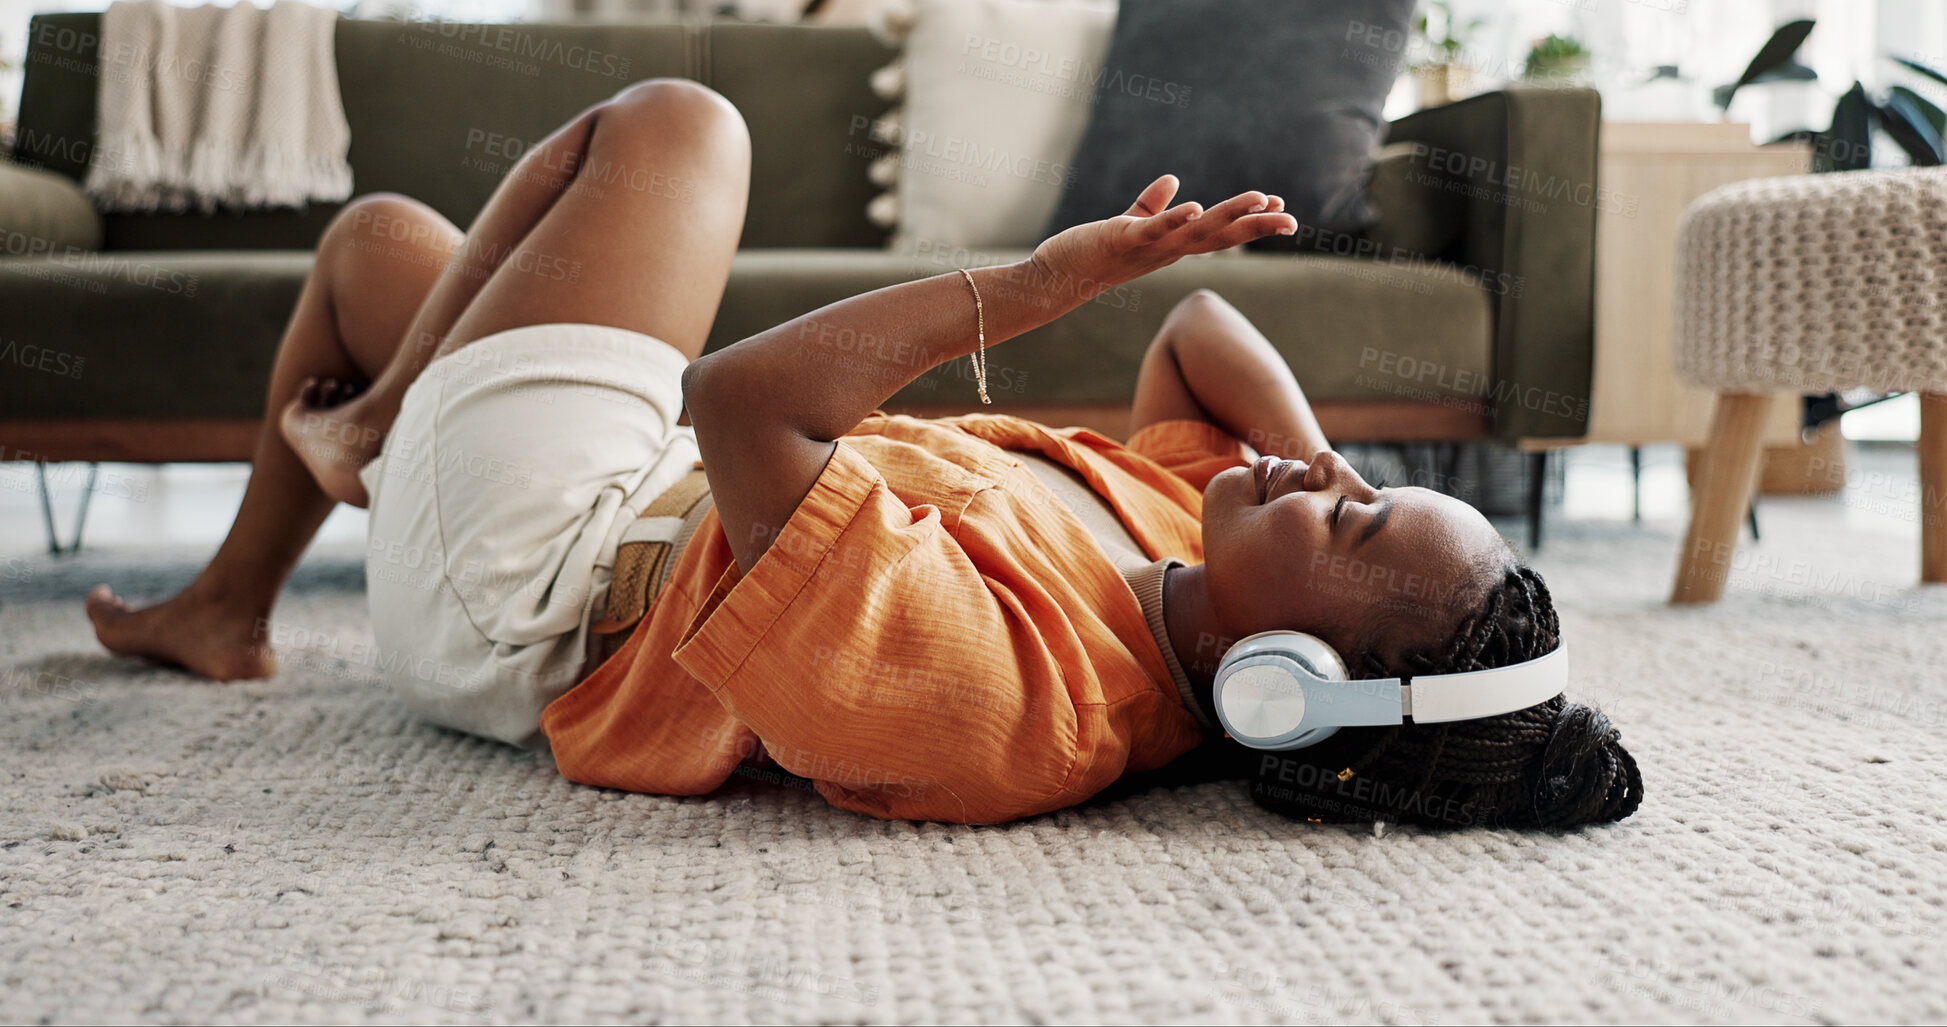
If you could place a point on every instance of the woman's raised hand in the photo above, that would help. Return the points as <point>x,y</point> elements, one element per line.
<point>1151,234</point>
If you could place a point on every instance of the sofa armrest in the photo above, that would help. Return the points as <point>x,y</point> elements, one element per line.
<point>42,212</point>
<point>1523,160</point>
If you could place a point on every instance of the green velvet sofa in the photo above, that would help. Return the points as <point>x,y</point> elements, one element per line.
<point>150,337</point>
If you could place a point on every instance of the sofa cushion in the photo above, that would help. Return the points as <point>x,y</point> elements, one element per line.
<point>192,335</point>
<point>1281,97</point>
<point>440,111</point>
<point>1352,330</point>
<point>997,95</point>
<point>144,335</point>
<point>55,125</point>
<point>803,90</point>
<point>437,111</point>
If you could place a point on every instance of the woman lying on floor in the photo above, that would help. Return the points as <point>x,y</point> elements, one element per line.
<point>974,619</point>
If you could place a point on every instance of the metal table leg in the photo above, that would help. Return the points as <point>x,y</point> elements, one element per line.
<point>1537,484</point>
<point>1636,484</point>
<point>80,516</point>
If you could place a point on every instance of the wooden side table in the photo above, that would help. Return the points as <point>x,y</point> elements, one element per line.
<point>1648,173</point>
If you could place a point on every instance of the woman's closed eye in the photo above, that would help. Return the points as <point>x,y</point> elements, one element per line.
<point>1337,508</point>
<point>1380,513</point>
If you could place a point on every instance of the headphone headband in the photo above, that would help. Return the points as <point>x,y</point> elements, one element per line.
<point>1287,690</point>
<point>1438,698</point>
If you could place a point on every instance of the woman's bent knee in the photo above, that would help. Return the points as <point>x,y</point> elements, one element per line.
<point>674,104</point>
<point>393,218</point>
<point>386,225</point>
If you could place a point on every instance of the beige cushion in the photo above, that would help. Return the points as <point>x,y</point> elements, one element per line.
<point>998,94</point>
<point>43,213</point>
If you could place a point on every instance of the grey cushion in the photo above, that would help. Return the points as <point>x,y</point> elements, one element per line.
<point>1233,95</point>
<point>42,212</point>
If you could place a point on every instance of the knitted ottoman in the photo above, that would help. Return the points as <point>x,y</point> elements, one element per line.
<point>1809,284</point>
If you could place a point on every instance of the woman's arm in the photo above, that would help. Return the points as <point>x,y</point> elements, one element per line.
<point>1209,363</point>
<point>768,410</point>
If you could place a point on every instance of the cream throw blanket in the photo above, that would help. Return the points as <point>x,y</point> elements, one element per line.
<point>201,106</point>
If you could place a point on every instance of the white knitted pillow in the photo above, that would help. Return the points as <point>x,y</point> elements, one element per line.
<point>997,94</point>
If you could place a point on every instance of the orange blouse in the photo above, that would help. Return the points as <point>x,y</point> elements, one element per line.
<point>933,636</point>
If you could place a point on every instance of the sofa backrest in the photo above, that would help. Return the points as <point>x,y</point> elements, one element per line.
<point>439,111</point>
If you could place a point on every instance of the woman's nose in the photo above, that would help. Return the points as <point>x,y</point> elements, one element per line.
<point>1325,470</point>
<point>1330,471</point>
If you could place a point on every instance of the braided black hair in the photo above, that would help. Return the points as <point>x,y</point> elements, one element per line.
<point>1555,765</point>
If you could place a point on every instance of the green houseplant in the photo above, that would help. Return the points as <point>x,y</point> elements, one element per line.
<point>1914,123</point>
<point>1557,58</point>
<point>1443,74</point>
<point>1911,121</point>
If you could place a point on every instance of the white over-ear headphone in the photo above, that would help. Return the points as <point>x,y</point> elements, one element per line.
<point>1284,690</point>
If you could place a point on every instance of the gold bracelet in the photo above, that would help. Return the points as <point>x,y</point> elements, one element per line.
<point>980,355</point>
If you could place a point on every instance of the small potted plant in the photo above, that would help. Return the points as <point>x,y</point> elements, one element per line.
<point>6,109</point>
<point>1443,74</point>
<point>1557,60</point>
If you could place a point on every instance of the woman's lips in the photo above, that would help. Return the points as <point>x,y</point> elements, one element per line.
<point>1267,472</point>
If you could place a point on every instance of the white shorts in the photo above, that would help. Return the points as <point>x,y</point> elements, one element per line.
<point>497,504</point>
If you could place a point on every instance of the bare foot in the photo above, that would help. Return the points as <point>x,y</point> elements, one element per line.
<point>189,631</point>
<point>329,426</point>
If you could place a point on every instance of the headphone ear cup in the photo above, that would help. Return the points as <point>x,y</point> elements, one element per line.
<point>1313,737</point>
<point>1259,688</point>
<point>1322,660</point>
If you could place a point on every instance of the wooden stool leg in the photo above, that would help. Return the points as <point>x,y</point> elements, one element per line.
<point>1933,487</point>
<point>1725,477</point>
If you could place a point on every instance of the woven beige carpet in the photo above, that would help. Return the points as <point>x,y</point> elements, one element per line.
<point>301,849</point>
